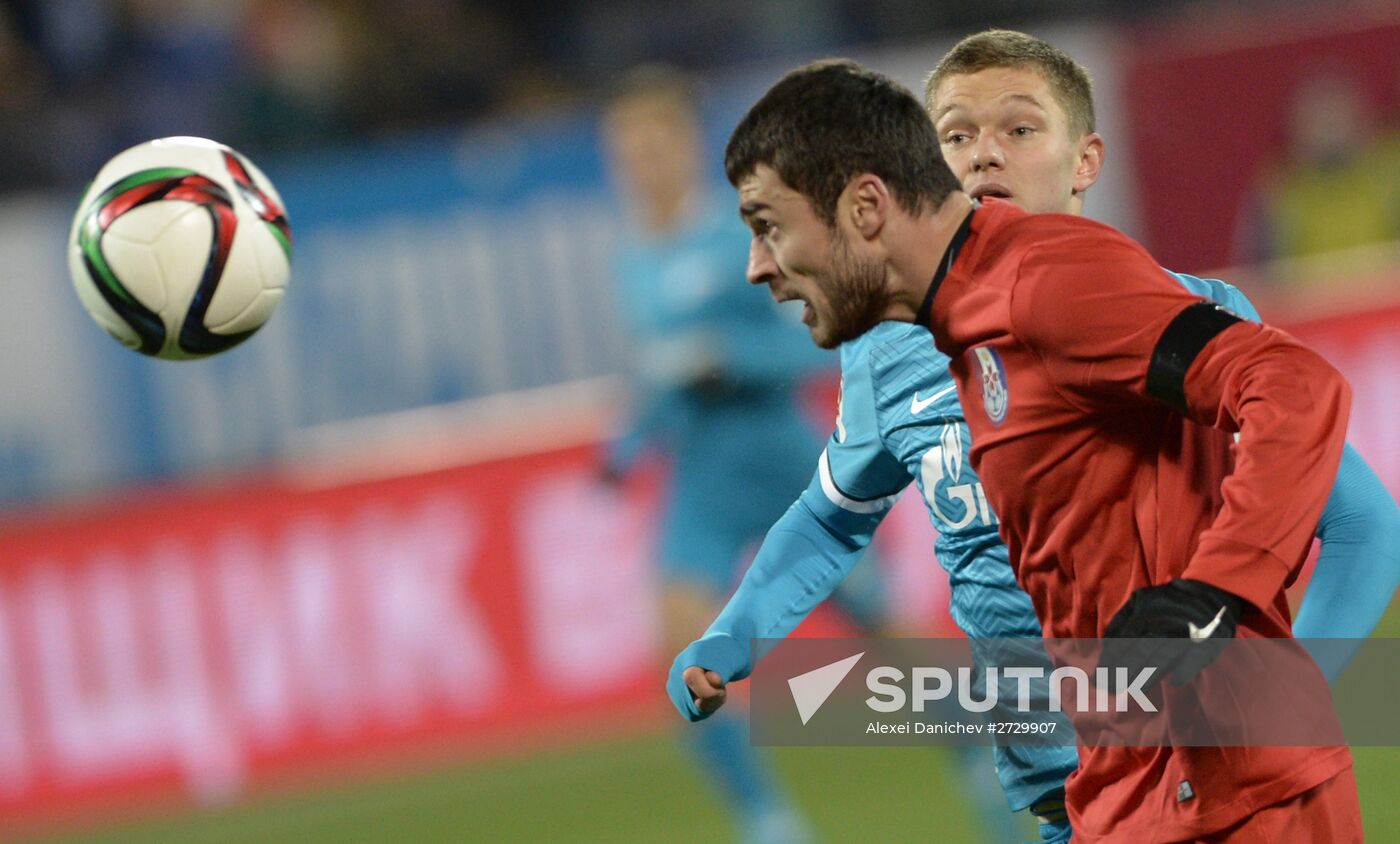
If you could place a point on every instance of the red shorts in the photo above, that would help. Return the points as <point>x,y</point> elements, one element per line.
<point>1325,814</point>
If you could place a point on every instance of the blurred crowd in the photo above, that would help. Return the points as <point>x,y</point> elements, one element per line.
<point>89,77</point>
<point>85,78</point>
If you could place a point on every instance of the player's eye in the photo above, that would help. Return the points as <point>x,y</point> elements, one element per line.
<point>1023,131</point>
<point>955,138</point>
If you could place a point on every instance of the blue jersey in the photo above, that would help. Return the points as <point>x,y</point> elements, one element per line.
<point>715,373</point>
<point>899,420</point>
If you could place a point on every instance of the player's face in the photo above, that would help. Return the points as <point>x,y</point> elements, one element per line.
<point>652,150</point>
<point>1005,134</point>
<point>799,256</point>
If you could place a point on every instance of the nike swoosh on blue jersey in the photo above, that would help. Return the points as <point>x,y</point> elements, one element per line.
<point>917,406</point>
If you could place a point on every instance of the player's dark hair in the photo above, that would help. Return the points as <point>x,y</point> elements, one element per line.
<point>827,122</point>
<point>1068,79</point>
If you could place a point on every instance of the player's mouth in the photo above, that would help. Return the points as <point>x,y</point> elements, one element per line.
<point>807,313</point>
<point>781,296</point>
<point>991,189</point>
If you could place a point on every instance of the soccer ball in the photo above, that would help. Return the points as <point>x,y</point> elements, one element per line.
<point>180,248</point>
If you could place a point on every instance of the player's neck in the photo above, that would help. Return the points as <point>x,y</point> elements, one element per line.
<point>916,251</point>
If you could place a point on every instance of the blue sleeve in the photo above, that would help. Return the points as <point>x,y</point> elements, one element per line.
<point>810,550</point>
<point>1358,568</point>
<point>1219,291</point>
<point>803,558</point>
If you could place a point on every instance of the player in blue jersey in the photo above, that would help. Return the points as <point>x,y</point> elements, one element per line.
<point>1015,119</point>
<point>714,380</point>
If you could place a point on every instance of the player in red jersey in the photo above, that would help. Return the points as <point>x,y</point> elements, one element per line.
<point>1073,352</point>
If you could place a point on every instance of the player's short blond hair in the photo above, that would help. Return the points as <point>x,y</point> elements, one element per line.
<point>1069,81</point>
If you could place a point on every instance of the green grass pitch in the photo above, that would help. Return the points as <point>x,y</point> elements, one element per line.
<point>635,790</point>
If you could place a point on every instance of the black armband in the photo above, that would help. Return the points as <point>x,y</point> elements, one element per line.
<point>1188,333</point>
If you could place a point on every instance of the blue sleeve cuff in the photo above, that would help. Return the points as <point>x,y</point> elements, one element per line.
<point>718,652</point>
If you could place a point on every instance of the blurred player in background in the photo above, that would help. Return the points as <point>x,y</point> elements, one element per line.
<point>1015,116</point>
<point>715,380</point>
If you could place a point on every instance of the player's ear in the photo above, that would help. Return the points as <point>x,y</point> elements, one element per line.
<point>870,203</point>
<point>1090,162</point>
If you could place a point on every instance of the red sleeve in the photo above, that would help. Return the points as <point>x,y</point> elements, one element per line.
<point>1092,307</point>
<point>1095,310</point>
<point>1290,407</point>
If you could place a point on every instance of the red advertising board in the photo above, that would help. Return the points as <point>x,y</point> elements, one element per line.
<point>200,638</point>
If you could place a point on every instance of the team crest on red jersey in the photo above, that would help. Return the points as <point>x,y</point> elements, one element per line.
<point>995,394</point>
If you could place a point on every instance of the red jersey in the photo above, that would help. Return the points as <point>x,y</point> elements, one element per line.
<point>1054,325</point>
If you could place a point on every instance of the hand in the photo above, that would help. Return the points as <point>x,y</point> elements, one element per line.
<point>707,688</point>
<point>699,674</point>
<point>696,692</point>
<point>1193,621</point>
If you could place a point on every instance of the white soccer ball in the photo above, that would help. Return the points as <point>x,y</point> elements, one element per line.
<point>180,248</point>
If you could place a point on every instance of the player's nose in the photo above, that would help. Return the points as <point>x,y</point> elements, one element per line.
<point>762,267</point>
<point>986,154</point>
